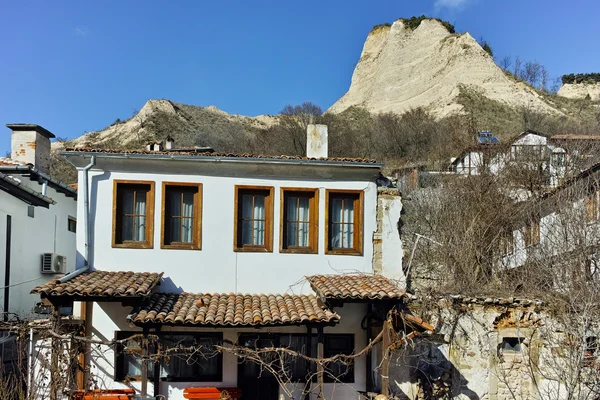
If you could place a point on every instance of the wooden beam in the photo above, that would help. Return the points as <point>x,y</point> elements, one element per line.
<point>144,390</point>
<point>157,370</point>
<point>320,356</point>
<point>385,359</point>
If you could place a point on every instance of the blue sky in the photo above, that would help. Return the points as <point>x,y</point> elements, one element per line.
<point>76,66</point>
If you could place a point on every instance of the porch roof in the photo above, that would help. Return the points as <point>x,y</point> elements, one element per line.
<point>102,284</point>
<point>355,287</point>
<point>223,310</point>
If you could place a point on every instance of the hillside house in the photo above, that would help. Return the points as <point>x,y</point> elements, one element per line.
<point>560,227</point>
<point>204,248</point>
<point>38,217</point>
<point>530,151</point>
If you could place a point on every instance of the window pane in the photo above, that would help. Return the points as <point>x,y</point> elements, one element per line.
<point>336,236</point>
<point>187,230</point>
<point>175,229</point>
<point>174,199</point>
<point>303,235</point>
<point>303,205</point>
<point>188,204</point>
<point>348,211</point>
<point>247,232</point>
<point>292,232</point>
<point>259,233</point>
<point>292,208</point>
<point>140,228</point>
<point>259,207</point>
<point>127,201</point>
<point>336,210</point>
<point>140,202</point>
<point>348,241</point>
<point>127,232</point>
<point>247,211</point>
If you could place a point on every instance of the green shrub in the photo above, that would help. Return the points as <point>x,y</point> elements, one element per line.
<point>414,22</point>
<point>581,78</point>
<point>488,49</point>
<point>379,26</point>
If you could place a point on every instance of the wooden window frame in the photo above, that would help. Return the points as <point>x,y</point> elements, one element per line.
<point>197,223</point>
<point>313,218</point>
<point>237,231</point>
<point>592,206</point>
<point>149,242</point>
<point>357,249</point>
<point>532,233</point>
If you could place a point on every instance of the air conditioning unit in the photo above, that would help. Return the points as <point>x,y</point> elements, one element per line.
<point>53,264</point>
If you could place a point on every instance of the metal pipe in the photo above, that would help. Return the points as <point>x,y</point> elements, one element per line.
<point>30,365</point>
<point>44,187</point>
<point>86,224</point>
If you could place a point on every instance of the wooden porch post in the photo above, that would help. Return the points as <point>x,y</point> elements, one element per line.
<point>308,385</point>
<point>320,356</point>
<point>145,363</point>
<point>385,359</point>
<point>157,370</point>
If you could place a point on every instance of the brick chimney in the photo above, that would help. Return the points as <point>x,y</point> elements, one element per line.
<point>316,141</point>
<point>30,144</point>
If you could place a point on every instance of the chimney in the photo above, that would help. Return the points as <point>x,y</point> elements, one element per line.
<point>169,143</point>
<point>30,144</point>
<point>316,141</point>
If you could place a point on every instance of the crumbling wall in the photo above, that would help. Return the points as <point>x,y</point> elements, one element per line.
<point>387,244</point>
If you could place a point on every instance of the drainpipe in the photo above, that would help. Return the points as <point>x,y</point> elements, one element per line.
<point>86,223</point>
<point>44,187</point>
<point>30,365</point>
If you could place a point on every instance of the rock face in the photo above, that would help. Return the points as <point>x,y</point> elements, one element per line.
<point>159,118</point>
<point>580,91</point>
<point>401,68</point>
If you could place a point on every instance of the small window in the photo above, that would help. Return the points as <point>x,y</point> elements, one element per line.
<point>339,371</point>
<point>133,214</point>
<point>531,233</point>
<point>507,243</point>
<point>253,219</point>
<point>182,215</point>
<point>591,351</point>
<point>511,345</point>
<point>72,224</point>
<point>592,207</point>
<point>128,354</point>
<point>31,211</point>
<point>344,222</point>
<point>299,222</point>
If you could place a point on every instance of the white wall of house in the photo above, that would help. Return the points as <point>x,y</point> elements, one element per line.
<point>108,318</point>
<point>217,267</point>
<point>46,232</point>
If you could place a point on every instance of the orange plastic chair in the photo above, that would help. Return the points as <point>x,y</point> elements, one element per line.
<point>211,393</point>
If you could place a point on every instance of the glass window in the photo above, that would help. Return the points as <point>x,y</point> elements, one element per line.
<point>254,221</point>
<point>299,221</point>
<point>342,371</point>
<point>134,210</point>
<point>344,222</point>
<point>182,216</point>
<point>71,224</point>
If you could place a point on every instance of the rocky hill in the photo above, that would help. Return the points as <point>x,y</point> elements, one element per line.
<point>403,67</point>
<point>580,91</point>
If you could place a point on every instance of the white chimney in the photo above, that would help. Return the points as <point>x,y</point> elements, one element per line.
<point>169,143</point>
<point>30,144</point>
<point>316,141</point>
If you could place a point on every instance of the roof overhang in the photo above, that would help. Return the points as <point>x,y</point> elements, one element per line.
<point>24,193</point>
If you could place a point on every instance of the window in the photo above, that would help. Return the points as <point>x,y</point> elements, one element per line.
<point>339,371</point>
<point>253,219</point>
<point>133,214</point>
<point>511,345</point>
<point>31,211</point>
<point>532,233</point>
<point>591,351</point>
<point>72,224</point>
<point>592,207</point>
<point>299,221</point>
<point>344,222</point>
<point>182,216</point>
<point>182,365</point>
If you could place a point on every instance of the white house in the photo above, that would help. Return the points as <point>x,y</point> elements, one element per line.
<point>201,247</point>
<point>37,221</point>
<point>530,150</point>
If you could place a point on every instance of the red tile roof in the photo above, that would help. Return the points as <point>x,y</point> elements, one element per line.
<point>232,310</point>
<point>355,287</point>
<point>199,154</point>
<point>6,161</point>
<point>574,136</point>
<point>102,284</point>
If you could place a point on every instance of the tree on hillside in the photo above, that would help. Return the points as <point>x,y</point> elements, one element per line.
<point>294,120</point>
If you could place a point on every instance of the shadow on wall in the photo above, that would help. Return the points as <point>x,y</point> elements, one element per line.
<point>424,372</point>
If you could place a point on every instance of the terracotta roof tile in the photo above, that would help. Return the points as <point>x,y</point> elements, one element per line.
<point>5,161</point>
<point>356,287</point>
<point>102,284</point>
<point>232,309</point>
<point>200,154</point>
<point>574,136</point>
